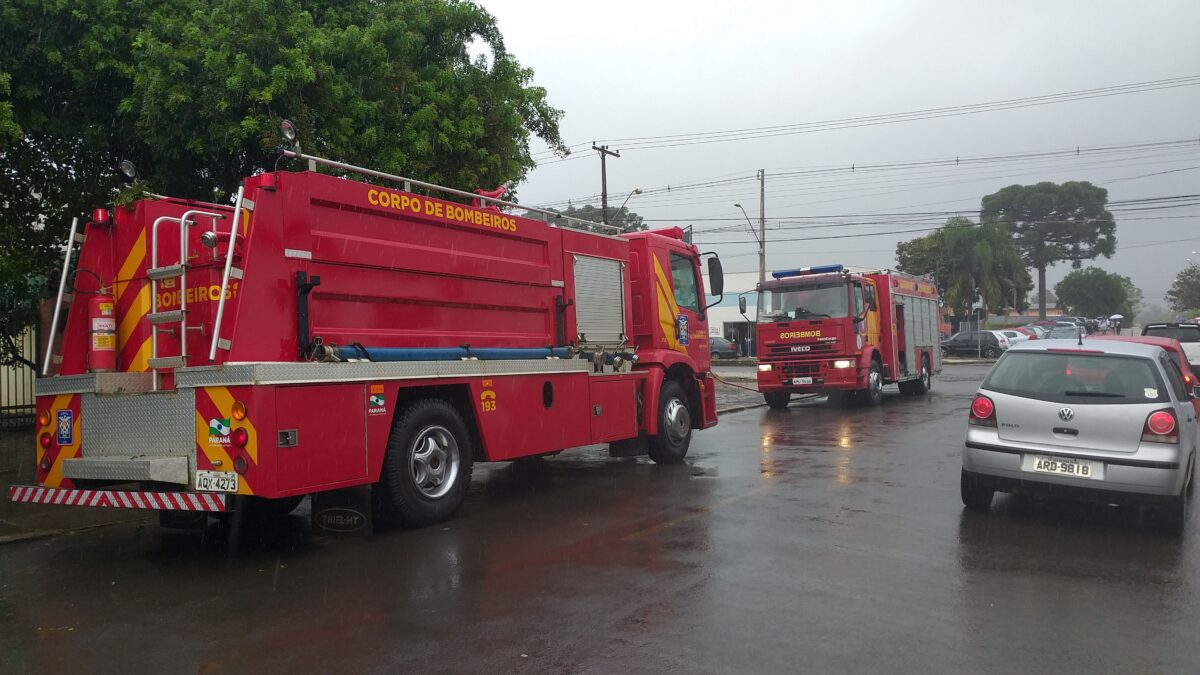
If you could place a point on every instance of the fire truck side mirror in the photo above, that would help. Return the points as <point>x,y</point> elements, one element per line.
<point>742,304</point>
<point>716,277</point>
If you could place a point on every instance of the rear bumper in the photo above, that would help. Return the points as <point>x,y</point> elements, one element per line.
<point>1000,467</point>
<point>120,499</point>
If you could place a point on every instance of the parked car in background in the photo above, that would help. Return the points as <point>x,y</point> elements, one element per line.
<point>1037,332</point>
<point>983,343</point>
<point>723,349</point>
<point>1108,421</point>
<point>1067,332</point>
<point>1014,335</point>
<point>1188,335</point>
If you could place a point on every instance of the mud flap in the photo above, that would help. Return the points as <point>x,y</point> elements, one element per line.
<point>343,513</point>
<point>630,447</point>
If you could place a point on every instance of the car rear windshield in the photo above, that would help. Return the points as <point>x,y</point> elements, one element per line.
<point>1078,378</point>
<point>1181,333</point>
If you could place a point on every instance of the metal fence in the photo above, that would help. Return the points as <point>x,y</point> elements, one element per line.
<point>16,387</point>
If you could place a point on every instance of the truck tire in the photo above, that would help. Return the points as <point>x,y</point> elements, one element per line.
<point>427,468</point>
<point>873,394</point>
<point>925,382</point>
<point>777,400</point>
<point>670,444</point>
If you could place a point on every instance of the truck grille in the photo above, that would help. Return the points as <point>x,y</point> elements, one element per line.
<point>817,348</point>
<point>801,369</point>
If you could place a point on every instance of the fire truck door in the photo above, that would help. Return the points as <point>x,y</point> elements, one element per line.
<point>901,339</point>
<point>690,329</point>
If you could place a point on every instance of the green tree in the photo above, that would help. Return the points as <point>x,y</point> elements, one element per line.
<point>193,92</point>
<point>622,218</point>
<point>1184,295</point>
<point>1053,223</point>
<point>1094,292</point>
<point>970,262</point>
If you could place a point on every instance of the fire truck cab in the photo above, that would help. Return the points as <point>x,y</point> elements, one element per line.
<point>846,334</point>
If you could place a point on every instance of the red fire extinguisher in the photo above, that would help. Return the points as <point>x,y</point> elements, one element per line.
<point>102,317</point>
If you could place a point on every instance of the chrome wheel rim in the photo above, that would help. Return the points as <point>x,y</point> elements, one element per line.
<point>876,382</point>
<point>433,461</point>
<point>678,420</point>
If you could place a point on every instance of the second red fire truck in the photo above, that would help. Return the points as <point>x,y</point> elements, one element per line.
<point>846,334</point>
<point>324,333</point>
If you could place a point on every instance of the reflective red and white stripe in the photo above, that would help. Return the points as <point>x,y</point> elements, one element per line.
<point>117,499</point>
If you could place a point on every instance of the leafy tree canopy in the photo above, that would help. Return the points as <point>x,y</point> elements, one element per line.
<point>969,261</point>
<point>193,92</point>
<point>1052,223</point>
<point>1094,292</point>
<point>1184,295</point>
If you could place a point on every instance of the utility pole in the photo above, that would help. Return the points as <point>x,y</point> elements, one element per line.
<point>762,231</point>
<point>604,153</point>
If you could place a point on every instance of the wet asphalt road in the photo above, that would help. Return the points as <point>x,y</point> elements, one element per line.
<point>815,539</point>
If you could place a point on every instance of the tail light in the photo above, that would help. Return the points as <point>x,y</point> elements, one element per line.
<point>44,440</point>
<point>983,412</point>
<point>1161,427</point>
<point>240,437</point>
<point>43,418</point>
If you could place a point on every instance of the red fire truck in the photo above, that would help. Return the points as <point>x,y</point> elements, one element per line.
<point>323,333</point>
<point>846,334</point>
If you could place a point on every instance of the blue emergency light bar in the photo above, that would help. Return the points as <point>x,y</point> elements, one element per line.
<point>803,271</point>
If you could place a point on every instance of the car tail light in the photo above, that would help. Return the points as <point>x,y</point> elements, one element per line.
<point>983,412</point>
<point>240,437</point>
<point>1160,427</point>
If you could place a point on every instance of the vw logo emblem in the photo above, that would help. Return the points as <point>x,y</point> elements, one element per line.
<point>1066,414</point>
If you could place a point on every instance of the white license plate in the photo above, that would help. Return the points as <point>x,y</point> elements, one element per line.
<point>216,481</point>
<point>801,380</point>
<point>1064,466</point>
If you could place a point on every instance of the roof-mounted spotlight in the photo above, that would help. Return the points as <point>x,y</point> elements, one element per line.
<point>128,170</point>
<point>290,134</point>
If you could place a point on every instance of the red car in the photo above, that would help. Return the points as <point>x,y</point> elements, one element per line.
<point>1172,346</point>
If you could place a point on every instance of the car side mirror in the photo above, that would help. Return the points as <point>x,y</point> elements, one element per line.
<point>742,304</point>
<point>1196,392</point>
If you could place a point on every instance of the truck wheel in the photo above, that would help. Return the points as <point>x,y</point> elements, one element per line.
<point>873,394</point>
<point>974,496</point>
<point>427,467</point>
<point>925,383</point>
<point>778,400</point>
<point>674,435</point>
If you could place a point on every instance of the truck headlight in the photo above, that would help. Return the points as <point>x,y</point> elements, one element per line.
<point>765,367</point>
<point>843,363</point>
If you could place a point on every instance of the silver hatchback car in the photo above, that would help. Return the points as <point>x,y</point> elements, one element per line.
<point>1109,421</point>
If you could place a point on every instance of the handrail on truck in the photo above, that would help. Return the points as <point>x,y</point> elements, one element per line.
<point>237,217</point>
<point>62,285</point>
<point>409,182</point>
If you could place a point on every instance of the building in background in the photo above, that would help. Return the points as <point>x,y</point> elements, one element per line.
<point>724,318</point>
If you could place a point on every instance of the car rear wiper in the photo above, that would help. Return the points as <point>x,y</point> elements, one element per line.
<point>1102,394</point>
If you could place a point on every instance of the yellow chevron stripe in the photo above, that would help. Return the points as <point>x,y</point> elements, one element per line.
<point>141,362</point>
<point>137,310</point>
<point>130,267</point>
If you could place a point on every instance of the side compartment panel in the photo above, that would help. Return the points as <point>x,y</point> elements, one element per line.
<point>330,434</point>
<point>614,408</point>
<point>532,414</point>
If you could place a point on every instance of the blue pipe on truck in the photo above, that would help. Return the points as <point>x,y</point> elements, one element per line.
<point>346,353</point>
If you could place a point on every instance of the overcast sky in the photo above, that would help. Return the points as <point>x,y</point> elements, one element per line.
<point>621,70</point>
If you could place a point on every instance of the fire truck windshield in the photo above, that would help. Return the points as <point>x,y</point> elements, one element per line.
<point>798,303</point>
